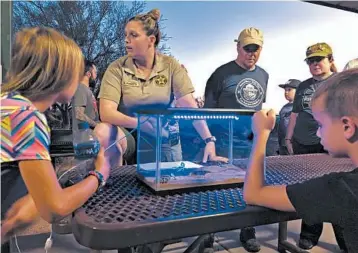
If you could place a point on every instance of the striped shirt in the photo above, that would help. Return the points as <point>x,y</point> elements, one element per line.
<point>25,134</point>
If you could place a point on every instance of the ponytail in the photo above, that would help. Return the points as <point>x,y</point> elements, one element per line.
<point>333,68</point>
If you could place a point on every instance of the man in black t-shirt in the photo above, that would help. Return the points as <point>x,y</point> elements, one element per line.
<point>239,84</point>
<point>334,197</point>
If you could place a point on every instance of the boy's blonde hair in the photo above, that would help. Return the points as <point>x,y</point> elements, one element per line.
<point>44,62</point>
<point>351,64</point>
<point>340,94</point>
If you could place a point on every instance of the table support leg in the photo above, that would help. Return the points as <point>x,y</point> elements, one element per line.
<point>150,248</point>
<point>283,244</point>
<point>127,250</point>
<point>202,244</point>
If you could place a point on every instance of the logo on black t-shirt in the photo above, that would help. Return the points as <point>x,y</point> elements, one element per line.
<point>307,97</point>
<point>249,93</point>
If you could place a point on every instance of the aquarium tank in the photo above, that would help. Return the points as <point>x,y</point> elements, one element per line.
<point>170,148</point>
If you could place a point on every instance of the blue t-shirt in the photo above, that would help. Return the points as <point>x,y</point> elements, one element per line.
<point>285,114</point>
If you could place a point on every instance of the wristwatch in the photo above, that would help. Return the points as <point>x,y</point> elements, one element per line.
<point>210,139</point>
<point>100,178</point>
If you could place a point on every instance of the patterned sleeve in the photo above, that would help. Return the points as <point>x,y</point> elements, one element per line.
<point>25,135</point>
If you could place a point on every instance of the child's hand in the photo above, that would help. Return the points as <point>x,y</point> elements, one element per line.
<point>263,122</point>
<point>102,164</point>
<point>22,213</point>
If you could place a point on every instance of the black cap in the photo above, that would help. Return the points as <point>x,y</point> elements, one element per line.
<point>292,83</point>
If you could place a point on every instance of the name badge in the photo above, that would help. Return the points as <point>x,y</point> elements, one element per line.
<point>131,83</point>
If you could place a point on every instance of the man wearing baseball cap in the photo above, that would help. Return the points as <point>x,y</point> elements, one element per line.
<point>250,36</point>
<point>239,84</point>
<point>290,90</point>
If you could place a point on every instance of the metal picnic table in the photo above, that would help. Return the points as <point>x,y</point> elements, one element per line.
<point>127,214</point>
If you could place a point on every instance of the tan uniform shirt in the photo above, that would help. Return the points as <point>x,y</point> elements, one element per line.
<point>132,91</point>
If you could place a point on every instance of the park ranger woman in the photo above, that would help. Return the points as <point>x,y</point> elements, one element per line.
<point>144,78</point>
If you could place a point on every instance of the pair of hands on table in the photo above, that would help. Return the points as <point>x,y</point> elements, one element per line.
<point>23,212</point>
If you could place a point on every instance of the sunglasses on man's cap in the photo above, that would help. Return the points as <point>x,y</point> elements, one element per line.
<point>251,48</point>
<point>314,59</point>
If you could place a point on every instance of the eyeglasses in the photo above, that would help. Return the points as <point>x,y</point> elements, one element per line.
<point>251,48</point>
<point>314,59</point>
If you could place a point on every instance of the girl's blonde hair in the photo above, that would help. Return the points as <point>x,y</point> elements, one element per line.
<point>44,62</point>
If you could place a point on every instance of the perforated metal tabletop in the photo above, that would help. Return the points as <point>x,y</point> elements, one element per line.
<point>126,213</point>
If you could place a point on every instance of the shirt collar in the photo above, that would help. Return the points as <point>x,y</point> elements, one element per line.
<point>158,67</point>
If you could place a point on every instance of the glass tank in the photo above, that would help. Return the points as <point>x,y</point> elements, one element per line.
<point>171,151</point>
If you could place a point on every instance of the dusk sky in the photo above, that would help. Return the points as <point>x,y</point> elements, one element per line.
<point>203,36</point>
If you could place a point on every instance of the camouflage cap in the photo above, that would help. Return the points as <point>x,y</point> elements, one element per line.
<point>250,36</point>
<point>319,49</point>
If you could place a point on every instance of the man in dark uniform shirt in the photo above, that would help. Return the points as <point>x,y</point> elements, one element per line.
<point>331,198</point>
<point>290,90</point>
<point>239,84</point>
